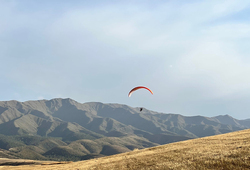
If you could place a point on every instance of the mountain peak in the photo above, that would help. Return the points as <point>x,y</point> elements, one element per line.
<point>226,116</point>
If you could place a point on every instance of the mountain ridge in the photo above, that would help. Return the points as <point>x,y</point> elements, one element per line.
<point>72,121</point>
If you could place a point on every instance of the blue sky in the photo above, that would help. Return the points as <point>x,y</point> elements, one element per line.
<point>194,55</point>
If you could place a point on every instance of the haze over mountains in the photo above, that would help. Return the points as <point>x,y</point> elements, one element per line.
<point>65,129</point>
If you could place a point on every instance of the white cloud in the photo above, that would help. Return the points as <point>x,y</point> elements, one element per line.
<point>215,66</point>
<point>228,32</point>
<point>185,52</point>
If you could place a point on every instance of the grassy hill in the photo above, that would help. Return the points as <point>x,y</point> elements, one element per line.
<point>226,151</point>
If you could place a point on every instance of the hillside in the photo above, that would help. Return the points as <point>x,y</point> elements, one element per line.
<point>227,151</point>
<point>54,129</point>
<point>66,117</point>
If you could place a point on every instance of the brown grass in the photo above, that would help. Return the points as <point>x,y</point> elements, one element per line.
<point>227,151</point>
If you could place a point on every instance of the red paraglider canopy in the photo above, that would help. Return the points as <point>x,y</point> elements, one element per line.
<point>139,87</point>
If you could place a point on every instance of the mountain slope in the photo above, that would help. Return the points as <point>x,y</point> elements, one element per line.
<point>77,126</point>
<point>227,151</point>
<point>43,116</point>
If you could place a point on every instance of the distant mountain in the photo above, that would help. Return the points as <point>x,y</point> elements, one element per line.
<point>245,123</point>
<point>65,129</point>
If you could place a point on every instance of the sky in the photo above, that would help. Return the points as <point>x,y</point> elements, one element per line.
<point>194,55</point>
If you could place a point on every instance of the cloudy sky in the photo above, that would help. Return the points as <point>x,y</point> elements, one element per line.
<point>194,55</point>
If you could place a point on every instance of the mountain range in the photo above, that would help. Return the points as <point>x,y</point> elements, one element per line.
<point>64,129</point>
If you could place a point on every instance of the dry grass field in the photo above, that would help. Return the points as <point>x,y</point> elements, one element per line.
<point>227,151</point>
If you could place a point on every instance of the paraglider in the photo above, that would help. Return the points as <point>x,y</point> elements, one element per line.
<point>139,87</point>
<point>136,88</point>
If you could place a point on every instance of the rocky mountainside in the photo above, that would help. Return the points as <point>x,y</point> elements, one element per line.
<point>82,127</point>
